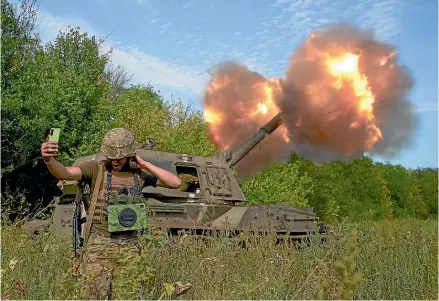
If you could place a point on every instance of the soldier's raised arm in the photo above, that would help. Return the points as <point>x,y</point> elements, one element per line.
<point>165,178</point>
<point>57,169</point>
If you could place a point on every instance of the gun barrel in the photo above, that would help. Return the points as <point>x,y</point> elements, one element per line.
<point>248,145</point>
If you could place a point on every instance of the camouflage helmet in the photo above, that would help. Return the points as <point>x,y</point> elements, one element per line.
<point>118,143</point>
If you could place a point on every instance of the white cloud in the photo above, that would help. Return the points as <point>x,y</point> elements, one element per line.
<point>49,25</point>
<point>145,68</point>
<point>150,69</point>
<point>302,16</point>
<point>385,17</point>
<point>147,6</point>
<point>187,4</point>
<point>169,24</point>
<point>292,20</point>
<point>426,107</point>
<point>278,3</point>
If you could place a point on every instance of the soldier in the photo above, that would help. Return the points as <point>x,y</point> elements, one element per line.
<point>122,170</point>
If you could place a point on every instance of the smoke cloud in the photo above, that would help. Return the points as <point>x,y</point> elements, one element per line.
<point>236,100</point>
<point>326,116</point>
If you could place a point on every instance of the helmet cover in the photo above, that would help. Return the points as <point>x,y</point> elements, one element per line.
<point>118,143</point>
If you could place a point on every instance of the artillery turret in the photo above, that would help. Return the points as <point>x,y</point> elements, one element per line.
<point>210,197</point>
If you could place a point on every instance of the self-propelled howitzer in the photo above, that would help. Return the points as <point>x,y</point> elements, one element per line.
<point>209,198</point>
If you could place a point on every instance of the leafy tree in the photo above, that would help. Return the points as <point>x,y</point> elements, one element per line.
<point>176,127</point>
<point>328,198</point>
<point>59,88</point>
<point>352,191</point>
<point>18,47</point>
<point>56,85</point>
<point>18,40</point>
<point>370,197</point>
<point>404,192</point>
<point>280,183</point>
<point>118,79</point>
<point>426,180</point>
<point>74,92</point>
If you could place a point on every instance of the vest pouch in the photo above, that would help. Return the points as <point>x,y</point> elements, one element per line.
<point>125,213</point>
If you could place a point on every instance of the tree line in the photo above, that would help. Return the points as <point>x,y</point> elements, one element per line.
<point>70,83</point>
<point>359,190</point>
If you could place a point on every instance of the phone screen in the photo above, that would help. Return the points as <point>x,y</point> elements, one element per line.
<point>54,134</point>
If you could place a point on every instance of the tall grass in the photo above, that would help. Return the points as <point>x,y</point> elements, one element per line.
<point>374,260</point>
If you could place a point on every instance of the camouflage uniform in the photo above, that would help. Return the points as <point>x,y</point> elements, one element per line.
<point>103,259</point>
<point>103,256</point>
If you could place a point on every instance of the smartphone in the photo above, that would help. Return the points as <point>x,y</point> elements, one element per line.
<point>54,134</point>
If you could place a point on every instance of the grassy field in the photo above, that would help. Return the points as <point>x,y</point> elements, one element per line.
<point>375,260</point>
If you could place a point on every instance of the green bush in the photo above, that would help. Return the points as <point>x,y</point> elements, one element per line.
<point>280,183</point>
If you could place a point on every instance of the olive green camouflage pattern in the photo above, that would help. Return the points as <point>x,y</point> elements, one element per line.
<point>118,143</point>
<point>126,217</point>
<point>125,212</point>
<point>103,259</point>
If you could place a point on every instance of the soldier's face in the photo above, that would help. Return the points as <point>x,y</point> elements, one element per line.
<point>117,164</point>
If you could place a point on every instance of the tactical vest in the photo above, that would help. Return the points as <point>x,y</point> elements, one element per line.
<point>112,184</point>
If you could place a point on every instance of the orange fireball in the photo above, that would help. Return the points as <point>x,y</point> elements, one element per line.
<point>336,101</point>
<point>258,108</point>
<point>344,69</point>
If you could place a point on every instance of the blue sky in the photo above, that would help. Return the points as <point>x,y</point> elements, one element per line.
<point>172,44</point>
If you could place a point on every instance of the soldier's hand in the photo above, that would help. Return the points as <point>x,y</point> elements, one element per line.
<point>49,149</point>
<point>140,162</point>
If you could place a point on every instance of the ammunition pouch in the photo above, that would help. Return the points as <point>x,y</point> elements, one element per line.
<point>125,213</point>
<point>125,210</point>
